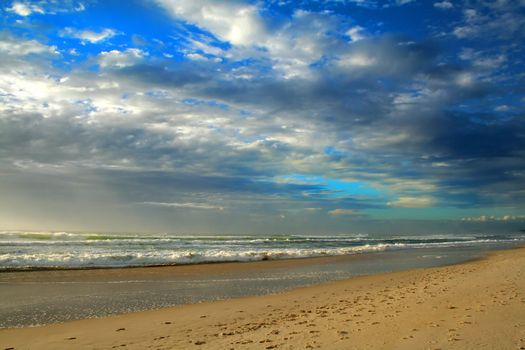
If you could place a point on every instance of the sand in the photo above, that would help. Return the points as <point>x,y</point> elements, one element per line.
<point>475,305</point>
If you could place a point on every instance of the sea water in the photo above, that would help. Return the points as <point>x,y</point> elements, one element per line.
<point>36,250</point>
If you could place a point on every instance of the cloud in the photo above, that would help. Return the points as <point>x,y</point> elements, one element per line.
<point>356,60</point>
<point>403,2</point>
<point>176,116</point>
<point>481,60</point>
<point>502,108</point>
<point>374,57</point>
<point>28,8</point>
<point>407,116</point>
<point>344,212</point>
<point>290,46</point>
<point>487,218</point>
<point>235,22</point>
<point>88,35</point>
<point>12,46</point>
<point>120,59</point>
<point>25,9</point>
<point>444,5</point>
<point>196,57</point>
<point>312,210</point>
<point>413,202</point>
<point>501,20</point>
<point>185,205</point>
<point>356,33</point>
<point>364,3</point>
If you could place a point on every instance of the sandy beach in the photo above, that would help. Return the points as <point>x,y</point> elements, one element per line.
<point>475,305</point>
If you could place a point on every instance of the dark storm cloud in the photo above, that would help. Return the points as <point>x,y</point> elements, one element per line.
<point>463,136</point>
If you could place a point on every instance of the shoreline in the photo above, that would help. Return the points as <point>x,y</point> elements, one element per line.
<point>474,304</point>
<point>50,251</point>
<point>179,265</point>
<point>232,262</point>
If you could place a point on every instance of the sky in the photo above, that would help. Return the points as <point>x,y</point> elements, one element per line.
<point>278,116</point>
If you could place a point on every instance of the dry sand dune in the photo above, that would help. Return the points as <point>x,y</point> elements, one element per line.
<point>476,305</point>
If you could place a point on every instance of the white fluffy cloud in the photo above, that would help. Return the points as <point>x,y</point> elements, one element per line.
<point>356,33</point>
<point>232,21</point>
<point>120,59</point>
<point>88,35</point>
<point>25,9</point>
<point>291,47</point>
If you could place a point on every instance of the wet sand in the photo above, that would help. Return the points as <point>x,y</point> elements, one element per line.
<point>475,305</point>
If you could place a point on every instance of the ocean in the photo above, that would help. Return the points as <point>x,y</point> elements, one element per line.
<point>49,277</point>
<point>20,250</point>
